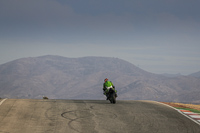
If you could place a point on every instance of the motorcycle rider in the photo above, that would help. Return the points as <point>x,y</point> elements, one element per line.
<point>108,85</point>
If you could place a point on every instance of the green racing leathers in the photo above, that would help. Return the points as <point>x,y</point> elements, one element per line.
<point>108,85</point>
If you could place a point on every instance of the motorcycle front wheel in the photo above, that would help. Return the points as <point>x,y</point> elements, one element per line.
<point>113,99</point>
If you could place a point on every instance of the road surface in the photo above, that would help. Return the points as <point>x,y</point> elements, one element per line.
<point>90,116</point>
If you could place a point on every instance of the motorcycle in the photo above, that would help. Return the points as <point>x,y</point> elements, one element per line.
<point>112,95</point>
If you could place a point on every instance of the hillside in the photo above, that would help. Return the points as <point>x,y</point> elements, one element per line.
<point>82,78</point>
<point>197,74</point>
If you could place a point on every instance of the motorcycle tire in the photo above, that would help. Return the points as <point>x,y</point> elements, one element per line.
<point>113,99</point>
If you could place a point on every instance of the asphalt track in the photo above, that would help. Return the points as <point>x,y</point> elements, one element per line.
<point>90,116</point>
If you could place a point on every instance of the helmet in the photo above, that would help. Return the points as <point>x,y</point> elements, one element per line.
<point>106,79</point>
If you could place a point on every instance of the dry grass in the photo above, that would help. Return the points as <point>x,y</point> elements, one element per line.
<point>191,106</point>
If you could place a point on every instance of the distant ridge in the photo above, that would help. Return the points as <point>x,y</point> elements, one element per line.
<point>171,75</point>
<point>197,74</point>
<point>60,77</point>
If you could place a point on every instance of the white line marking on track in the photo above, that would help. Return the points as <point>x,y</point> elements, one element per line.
<point>3,101</point>
<point>191,113</point>
<point>197,122</point>
<point>188,117</point>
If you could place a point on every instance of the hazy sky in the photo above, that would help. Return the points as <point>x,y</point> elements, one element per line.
<point>159,36</point>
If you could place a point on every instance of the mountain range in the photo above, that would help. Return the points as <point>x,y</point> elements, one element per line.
<point>60,77</point>
<point>197,74</point>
